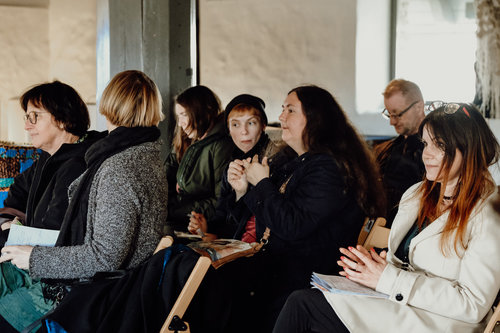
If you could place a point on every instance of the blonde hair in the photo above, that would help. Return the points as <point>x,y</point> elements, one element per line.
<point>408,89</point>
<point>131,99</point>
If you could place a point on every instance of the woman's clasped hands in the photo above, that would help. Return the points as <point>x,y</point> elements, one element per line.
<point>362,266</point>
<point>242,172</point>
<point>254,170</point>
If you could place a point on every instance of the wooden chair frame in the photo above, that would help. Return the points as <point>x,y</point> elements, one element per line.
<point>174,322</point>
<point>494,322</point>
<point>374,234</point>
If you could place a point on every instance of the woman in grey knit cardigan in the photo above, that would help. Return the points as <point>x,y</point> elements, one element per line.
<point>117,206</point>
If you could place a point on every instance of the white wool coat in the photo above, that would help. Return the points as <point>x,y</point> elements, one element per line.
<point>438,293</point>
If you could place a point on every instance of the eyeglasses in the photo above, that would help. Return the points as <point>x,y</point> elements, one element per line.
<point>449,108</point>
<point>387,115</point>
<point>32,116</point>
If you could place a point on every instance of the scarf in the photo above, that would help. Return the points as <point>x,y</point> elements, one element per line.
<point>74,223</point>
<point>258,149</point>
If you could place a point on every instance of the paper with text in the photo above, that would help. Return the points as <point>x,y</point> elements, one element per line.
<point>341,285</point>
<point>22,235</point>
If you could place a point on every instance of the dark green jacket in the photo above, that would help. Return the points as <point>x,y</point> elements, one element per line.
<point>199,175</point>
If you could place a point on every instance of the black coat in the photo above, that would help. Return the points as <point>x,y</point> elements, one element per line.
<point>314,216</point>
<point>42,190</point>
<point>231,216</point>
<point>138,301</point>
<point>401,166</point>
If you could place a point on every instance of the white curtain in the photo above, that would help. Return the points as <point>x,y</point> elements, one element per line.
<point>488,56</point>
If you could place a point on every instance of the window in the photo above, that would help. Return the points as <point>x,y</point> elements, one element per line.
<point>434,46</point>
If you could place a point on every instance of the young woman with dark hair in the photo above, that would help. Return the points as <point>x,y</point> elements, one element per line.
<point>201,151</point>
<point>332,133</point>
<point>439,273</point>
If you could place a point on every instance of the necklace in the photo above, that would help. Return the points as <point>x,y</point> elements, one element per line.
<point>447,198</point>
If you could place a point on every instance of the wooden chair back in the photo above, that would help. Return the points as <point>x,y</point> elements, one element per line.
<point>374,234</point>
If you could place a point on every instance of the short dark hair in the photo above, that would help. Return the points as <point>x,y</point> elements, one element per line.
<point>63,102</point>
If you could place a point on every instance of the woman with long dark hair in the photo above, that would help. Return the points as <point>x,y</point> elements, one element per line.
<point>440,273</point>
<point>312,204</point>
<point>201,151</point>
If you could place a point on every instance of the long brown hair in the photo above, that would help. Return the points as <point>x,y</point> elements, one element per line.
<point>329,131</point>
<point>202,107</point>
<point>462,127</point>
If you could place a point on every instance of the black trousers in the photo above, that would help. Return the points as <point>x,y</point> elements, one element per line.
<point>307,311</point>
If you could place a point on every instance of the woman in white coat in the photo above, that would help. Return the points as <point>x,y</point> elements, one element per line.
<point>442,272</point>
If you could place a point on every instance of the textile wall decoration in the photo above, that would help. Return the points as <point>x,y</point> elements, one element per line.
<point>14,159</point>
<point>488,57</point>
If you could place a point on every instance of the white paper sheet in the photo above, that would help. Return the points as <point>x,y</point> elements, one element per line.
<point>341,285</point>
<point>22,235</point>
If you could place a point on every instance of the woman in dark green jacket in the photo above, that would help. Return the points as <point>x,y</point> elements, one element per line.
<point>201,151</point>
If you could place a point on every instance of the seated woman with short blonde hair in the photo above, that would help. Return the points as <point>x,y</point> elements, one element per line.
<point>116,210</point>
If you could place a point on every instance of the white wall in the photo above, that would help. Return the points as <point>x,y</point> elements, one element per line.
<point>72,35</point>
<point>23,62</point>
<point>267,47</point>
<point>42,41</point>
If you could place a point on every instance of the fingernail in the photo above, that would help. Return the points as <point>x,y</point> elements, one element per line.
<point>350,248</point>
<point>372,249</point>
<point>342,257</point>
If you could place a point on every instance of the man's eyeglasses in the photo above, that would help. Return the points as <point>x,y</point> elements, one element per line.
<point>449,108</point>
<point>387,115</point>
<point>32,116</point>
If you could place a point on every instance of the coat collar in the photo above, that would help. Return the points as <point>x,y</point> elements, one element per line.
<point>406,218</point>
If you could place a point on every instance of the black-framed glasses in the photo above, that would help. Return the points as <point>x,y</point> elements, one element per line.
<point>449,108</point>
<point>32,116</point>
<point>387,115</point>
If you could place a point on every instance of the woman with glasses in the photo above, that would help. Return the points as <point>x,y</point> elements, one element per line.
<point>116,208</point>
<point>57,121</point>
<point>441,272</point>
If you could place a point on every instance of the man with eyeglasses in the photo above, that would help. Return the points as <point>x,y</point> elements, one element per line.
<point>400,159</point>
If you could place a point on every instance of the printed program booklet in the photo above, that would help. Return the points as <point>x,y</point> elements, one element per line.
<point>22,235</point>
<point>221,251</point>
<point>342,285</point>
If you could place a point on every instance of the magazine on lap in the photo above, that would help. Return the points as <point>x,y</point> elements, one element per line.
<point>221,251</point>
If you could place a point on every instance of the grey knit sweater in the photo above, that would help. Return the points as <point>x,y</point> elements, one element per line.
<point>127,209</point>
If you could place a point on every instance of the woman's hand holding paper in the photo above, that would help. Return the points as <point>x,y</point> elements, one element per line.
<point>18,255</point>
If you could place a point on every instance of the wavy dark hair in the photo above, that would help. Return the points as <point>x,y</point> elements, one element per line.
<point>202,107</point>
<point>329,131</point>
<point>63,102</point>
<point>464,129</point>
